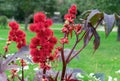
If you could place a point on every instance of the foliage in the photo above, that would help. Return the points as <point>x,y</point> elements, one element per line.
<point>25,8</point>
<point>3,21</point>
<point>43,44</point>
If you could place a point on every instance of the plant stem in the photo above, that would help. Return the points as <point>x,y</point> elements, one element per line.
<point>69,55</point>
<point>63,61</point>
<point>63,72</point>
<point>98,22</point>
<point>44,72</point>
<point>19,79</point>
<point>81,37</point>
<point>77,53</point>
<point>22,73</point>
<point>13,78</point>
<point>62,54</point>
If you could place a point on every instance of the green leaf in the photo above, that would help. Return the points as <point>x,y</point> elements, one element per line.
<point>109,23</point>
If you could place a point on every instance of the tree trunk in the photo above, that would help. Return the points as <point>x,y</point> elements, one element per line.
<point>26,23</point>
<point>27,20</point>
<point>118,30</point>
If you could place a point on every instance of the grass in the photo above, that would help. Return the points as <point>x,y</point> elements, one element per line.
<point>105,60</point>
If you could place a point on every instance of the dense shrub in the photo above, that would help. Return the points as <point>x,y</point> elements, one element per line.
<point>3,21</point>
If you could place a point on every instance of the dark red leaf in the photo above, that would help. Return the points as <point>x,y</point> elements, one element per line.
<point>109,23</point>
<point>94,16</point>
<point>96,41</point>
<point>90,32</point>
<point>88,36</point>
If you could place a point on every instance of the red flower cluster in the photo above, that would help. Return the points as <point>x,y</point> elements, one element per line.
<point>64,40</point>
<point>16,35</point>
<point>23,63</point>
<point>44,79</point>
<point>71,15</point>
<point>69,25</point>
<point>43,43</point>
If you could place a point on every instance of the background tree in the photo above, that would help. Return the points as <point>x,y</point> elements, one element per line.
<point>7,9</point>
<point>23,10</point>
<point>3,21</point>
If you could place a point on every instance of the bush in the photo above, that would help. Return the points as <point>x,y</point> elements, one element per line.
<point>3,21</point>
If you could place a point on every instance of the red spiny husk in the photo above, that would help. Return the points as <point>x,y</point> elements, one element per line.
<point>17,35</point>
<point>43,43</point>
<point>69,24</point>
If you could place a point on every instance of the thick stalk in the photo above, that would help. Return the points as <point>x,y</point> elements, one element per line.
<point>22,73</point>
<point>63,64</point>
<point>63,72</point>
<point>63,61</point>
<point>44,72</point>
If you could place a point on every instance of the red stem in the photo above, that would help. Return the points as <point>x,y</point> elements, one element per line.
<point>44,72</point>
<point>22,73</point>
<point>76,53</point>
<point>19,78</point>
<point>63,61</point>
<point>69,55</point>
<point>98,22</point>
<point>63,72</point>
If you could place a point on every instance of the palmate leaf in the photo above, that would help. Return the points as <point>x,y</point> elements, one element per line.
<point>3,68</point>
<point>3,77</point>
<point>20,54</point>
<point>90,32</point>
<point>94,17</point>
<point>109,23</point>
<point>4,63</point>
<point>96,41</point>
<point>88,36</point>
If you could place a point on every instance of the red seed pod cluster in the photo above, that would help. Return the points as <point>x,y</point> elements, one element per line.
<point>44,79</point>
<point>71,15</point>
<point>14,73</point>
<point>16,35</point>
<point>69,25</point>
<point>23,63</point>
<point>42,44</point>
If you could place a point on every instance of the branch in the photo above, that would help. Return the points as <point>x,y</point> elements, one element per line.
<point>22,73</point>
<point>70,53</point>
<point>98,22</point>
<point>62,54</point>
<point>76,53</point>
<point>63,61</point>
<point>81,37</point>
